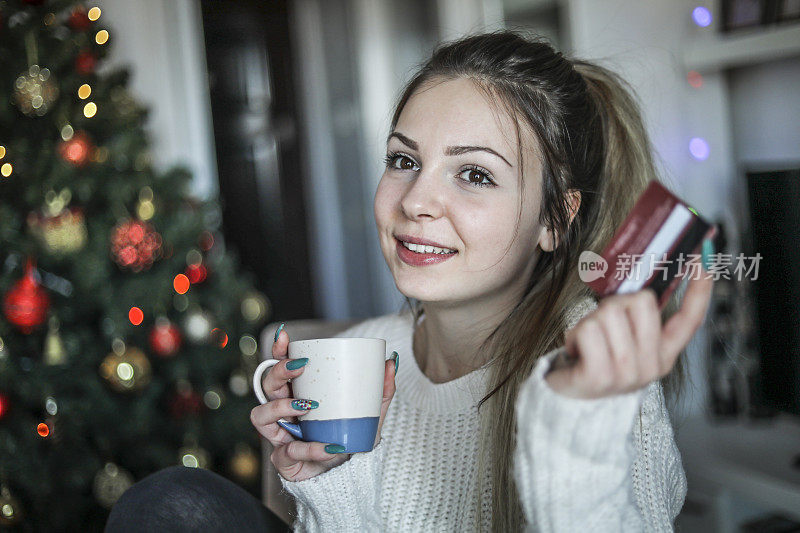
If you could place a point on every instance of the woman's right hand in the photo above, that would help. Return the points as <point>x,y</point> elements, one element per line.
<point>297,460</point>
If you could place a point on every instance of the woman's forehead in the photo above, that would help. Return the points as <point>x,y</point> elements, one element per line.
<point>457,112</point>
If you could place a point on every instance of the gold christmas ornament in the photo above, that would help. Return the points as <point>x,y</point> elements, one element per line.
<point>62,233</point>
<point>10,509</point>
<point>35,91</point>
<point>245,463</point>
<point>110,483</point>
<point>126,370</point>
<point>54,351</point>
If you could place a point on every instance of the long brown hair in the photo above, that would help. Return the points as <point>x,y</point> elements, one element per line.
<point>592,139</point>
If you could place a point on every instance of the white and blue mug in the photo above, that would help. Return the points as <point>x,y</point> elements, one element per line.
<point>345,375</point>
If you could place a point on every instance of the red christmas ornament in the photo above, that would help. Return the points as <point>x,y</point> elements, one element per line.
<point>135,245</point>
<point>79,19</point>
<point>165,338</point>
<point>196,273</point>
<point>85,62</point>
<point>76,150</point>
<point>27,303</point>
<point>185,401</point>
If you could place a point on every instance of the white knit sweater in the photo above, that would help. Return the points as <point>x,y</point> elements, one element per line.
<point>580,465</point>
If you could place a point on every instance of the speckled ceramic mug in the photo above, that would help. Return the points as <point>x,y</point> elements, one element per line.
<point>345,375</point>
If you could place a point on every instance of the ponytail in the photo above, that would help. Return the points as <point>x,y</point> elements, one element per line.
<point>627,162</point>
<point>628,168</point>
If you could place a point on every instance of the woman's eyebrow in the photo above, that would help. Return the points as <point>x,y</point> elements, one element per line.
<point>451,150</point>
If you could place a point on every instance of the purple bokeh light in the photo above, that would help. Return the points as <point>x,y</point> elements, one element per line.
<point>701,16</point>
<point>698,147</point>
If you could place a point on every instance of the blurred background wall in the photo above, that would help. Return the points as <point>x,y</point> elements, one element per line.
<point>291,136</point>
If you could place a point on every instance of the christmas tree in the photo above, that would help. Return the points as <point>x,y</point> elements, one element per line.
<point>127,333</point>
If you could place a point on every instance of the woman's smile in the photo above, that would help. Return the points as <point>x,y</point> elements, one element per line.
<point>421,255</point>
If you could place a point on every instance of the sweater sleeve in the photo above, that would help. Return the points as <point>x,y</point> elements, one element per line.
<point>608,464</point>
<point>345,498</point>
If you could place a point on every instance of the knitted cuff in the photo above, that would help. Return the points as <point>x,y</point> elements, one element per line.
<point>345,498</point>
<point>593,428</point>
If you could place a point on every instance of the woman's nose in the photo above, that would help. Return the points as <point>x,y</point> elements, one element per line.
<point>424,196</point>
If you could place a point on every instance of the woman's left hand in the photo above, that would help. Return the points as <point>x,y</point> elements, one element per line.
<point>621,346</point>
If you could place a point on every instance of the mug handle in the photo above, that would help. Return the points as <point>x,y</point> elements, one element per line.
<point>293,429</point>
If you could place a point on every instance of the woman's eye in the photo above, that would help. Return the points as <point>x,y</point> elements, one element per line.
<point>477,177</point>
<point>406,163</point>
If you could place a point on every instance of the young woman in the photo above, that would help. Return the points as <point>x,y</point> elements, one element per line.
<point>504,161</point>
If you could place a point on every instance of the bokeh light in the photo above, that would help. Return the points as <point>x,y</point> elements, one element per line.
<point>94,13</point>
<point>189,460</point>
<point>701,16</point>
<point>181,284</point>
<point>206,240</point>
<point>6,169</point>
<point>51,406</point>
<point>67,132</point>
<point>212,399</point>
<point>125,371</point>
<point>2,152</point>
<point>43,430</point>
<point>695,79</point>
<point>698,147</point>
<point>101,37</point>
<point>219,337</point>
<point>248,345</point>
<point>194,257</point>
<point>84,91</point>
<point>135,315</point>
<point>90,110</point>
<point>196,273</point>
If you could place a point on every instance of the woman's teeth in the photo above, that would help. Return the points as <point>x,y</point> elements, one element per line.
<point>420,249</point>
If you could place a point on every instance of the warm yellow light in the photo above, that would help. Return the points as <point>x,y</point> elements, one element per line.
<point>84,91</point>
<point>6,169</point>
<point>101,37</point>
<point>2,152</point>
<point>94,13</point>
<point>146,210</point>
<point>89,110</point>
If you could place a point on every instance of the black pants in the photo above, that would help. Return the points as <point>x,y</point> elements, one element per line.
<point>180,499</point>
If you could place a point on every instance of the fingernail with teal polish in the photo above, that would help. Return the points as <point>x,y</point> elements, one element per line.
<point>708,250</point>
<point>294,364</point>
<point>302,405</point>
<point>396,357</point>
<point>334,448</point>
<point>278,331</point>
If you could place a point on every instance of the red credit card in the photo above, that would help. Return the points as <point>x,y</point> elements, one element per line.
<point>654,247</point>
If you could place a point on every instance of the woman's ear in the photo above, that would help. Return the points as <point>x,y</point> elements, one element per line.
<point>547,239</point>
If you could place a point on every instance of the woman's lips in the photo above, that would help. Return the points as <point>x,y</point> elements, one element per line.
<point>417,259</point>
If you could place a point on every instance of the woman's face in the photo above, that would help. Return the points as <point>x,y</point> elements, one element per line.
<point>452,178</point>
